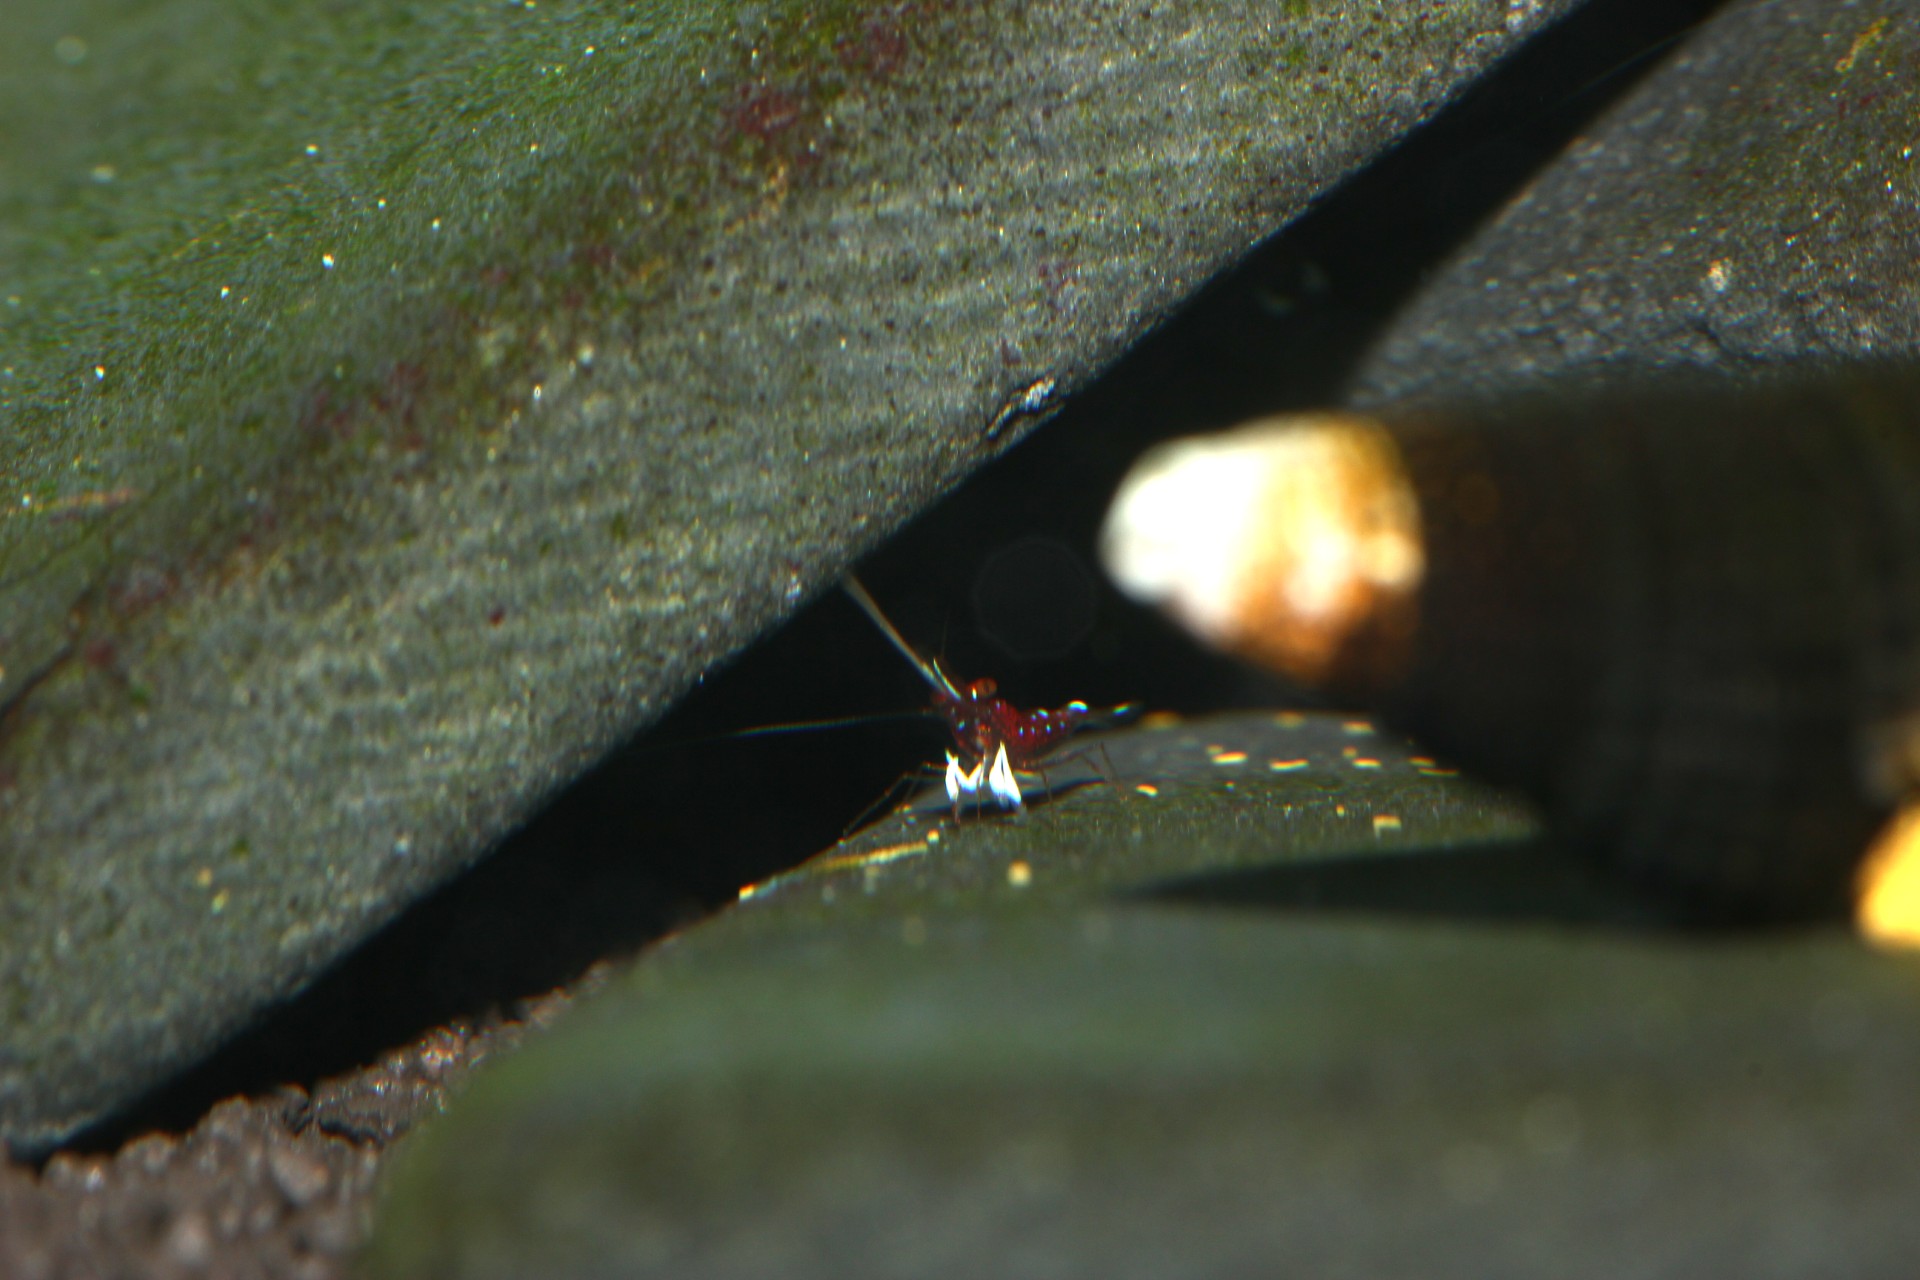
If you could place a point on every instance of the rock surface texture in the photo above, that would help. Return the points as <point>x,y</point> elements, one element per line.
<point>313,594</point>
<point>1311,998</point>
<point>401,407</point>
<point>1754,202</point>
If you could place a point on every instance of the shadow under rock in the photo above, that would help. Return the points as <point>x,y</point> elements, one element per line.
<point>1529,883</point>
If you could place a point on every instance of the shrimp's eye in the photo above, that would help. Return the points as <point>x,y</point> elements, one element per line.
<point>982,689</point>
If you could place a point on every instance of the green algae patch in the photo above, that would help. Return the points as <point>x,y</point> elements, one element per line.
<point>1134,1057</point>
<point>402,404</point>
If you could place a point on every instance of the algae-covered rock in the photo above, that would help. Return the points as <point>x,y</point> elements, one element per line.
<point>1150,1090</point>
<point>400,404</point>
<point>1335,1016</point>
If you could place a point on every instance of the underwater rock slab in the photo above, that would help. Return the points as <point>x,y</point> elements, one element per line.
<point>1756,200</point>
<point>1255,1029</point>
<point>402,406</point>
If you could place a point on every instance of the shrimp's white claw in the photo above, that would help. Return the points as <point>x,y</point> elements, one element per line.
<point>963,784</point>
<point>1002,782</point>
<point>997,781</point>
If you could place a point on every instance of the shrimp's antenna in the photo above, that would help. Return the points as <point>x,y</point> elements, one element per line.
<point>929,671</point>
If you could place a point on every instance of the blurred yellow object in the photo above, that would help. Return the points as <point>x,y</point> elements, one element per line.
<point>1887,910</point>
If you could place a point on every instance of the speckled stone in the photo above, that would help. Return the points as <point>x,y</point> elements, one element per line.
<point>1756,200</point>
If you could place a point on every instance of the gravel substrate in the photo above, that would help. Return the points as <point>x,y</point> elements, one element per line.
<point>273,1185</point>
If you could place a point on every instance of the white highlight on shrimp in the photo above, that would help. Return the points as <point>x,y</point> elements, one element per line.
<point>998,781</point>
